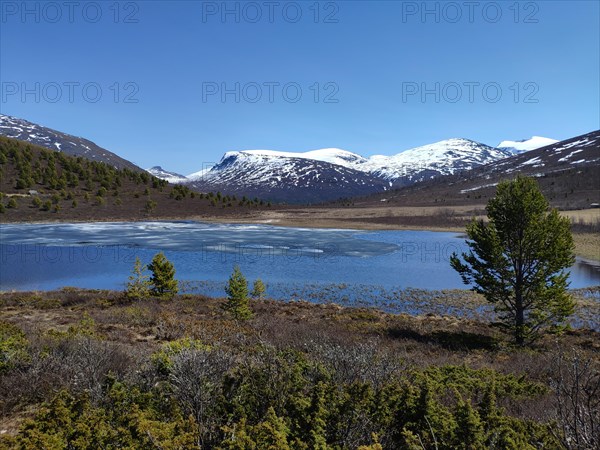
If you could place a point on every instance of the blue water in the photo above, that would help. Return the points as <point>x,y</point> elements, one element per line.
<point>101,255</point>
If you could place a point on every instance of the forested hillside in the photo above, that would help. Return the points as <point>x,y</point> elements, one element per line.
<point>40,184</point>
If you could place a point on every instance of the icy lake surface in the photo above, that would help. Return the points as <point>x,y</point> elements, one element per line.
<point>288,260</point>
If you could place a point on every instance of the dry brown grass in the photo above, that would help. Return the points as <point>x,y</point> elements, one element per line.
<point>587,216</point>
<point>154,321</point>
<point>587,245</point>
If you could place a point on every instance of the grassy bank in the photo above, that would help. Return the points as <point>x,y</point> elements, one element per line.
<point>297,373</point>
<point>587,245</point>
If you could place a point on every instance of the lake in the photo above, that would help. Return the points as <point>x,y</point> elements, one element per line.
<point>288,260</point>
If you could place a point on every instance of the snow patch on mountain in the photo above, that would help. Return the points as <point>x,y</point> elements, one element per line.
<point>329,155</point>
<point>440,158</point>
<point>199,175</point>
<point>163,174</point>
<point>525,145</point>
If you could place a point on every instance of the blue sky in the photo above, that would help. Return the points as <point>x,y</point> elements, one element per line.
<point>523,69</point>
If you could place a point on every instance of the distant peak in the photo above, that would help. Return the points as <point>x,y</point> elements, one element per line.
<point>525,145</point>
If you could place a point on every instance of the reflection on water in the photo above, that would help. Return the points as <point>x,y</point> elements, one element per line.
<point>587,270</point>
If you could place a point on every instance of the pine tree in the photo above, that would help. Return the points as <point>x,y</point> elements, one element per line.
<point>138,286</point>
<point>258,289</point>
<point>237,296</point>
<point>518,260</point>
<point>163,279</point>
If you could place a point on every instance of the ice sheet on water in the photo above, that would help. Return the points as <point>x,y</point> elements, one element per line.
<point>198,236</point>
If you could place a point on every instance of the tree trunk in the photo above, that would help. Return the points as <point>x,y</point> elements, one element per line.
<point>519,319</point>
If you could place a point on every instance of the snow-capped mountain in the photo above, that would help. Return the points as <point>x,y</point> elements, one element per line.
<point>280,177</point>
<point>567,172</point>
<point>525,145</point>
<point>331,173</point>
<point>441,158</point>
<point>55,140</point>
<point>584,149</point>
<point>171,177</point>
<point>428,161</point>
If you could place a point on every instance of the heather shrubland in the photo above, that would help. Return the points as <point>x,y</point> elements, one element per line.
<point>98,369</point>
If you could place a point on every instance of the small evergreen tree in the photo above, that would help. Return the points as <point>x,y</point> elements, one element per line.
<point>258,289</point>
<point>12,203</point>
<point>150,206</point>
<point>237,296</point>
<point>163,279</point>
<point>138,286</point>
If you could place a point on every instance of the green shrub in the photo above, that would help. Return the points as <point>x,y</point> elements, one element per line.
<point>129,419</point>
<point>13,346</point>
<point>258,289</point>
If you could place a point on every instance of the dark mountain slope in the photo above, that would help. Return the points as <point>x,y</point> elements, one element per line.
<point>58,141</point>
<point>568,173</point>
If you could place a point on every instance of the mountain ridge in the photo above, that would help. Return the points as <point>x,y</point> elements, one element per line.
<point>23,130</point>
<point>567,171</point>
<point>171,177</point>
<point>312,176</point>
<point>333,173</point>
<point>285,179</point>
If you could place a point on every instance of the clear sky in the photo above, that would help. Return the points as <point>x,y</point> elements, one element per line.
<point>355,75</point>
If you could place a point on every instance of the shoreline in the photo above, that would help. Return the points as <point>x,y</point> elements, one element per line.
<point>462,305</point>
